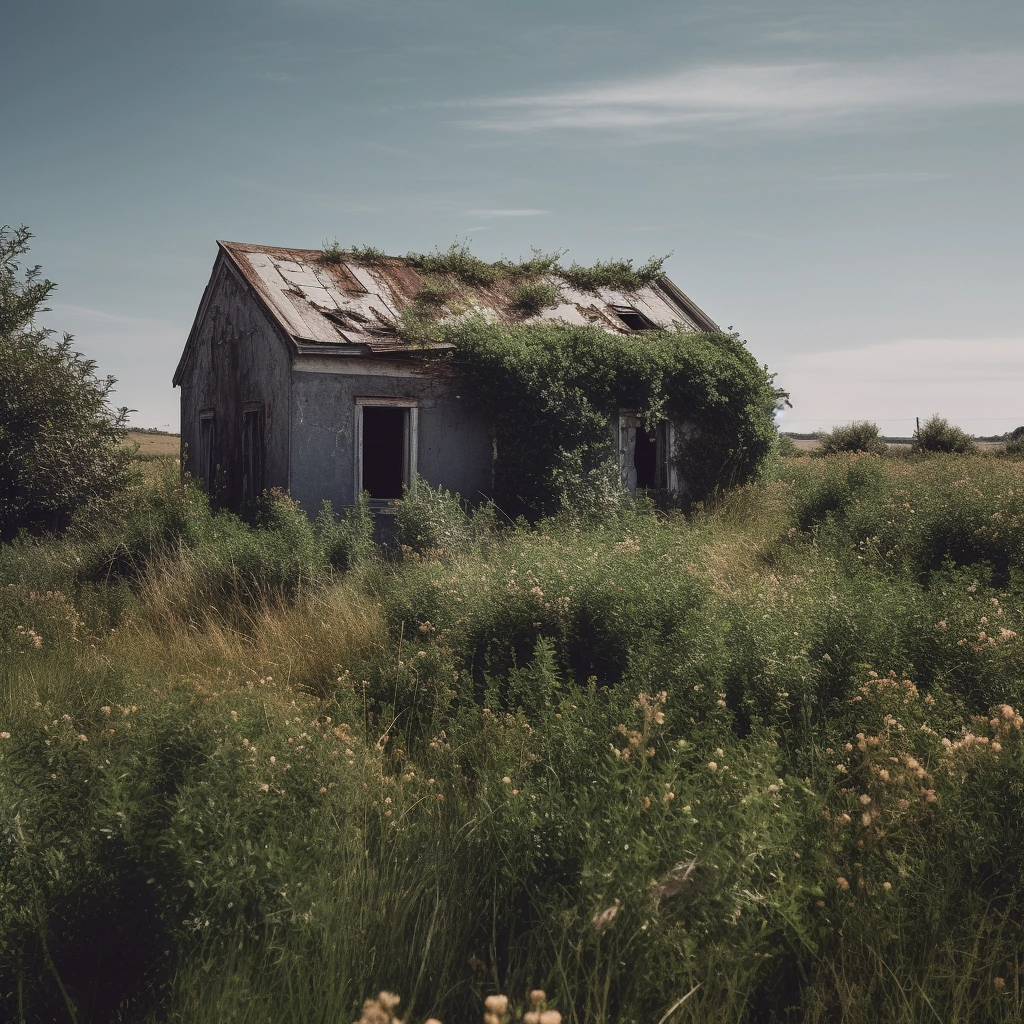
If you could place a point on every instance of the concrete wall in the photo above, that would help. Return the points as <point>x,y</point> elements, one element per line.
<point>237,356</point>
<point>454,445</point>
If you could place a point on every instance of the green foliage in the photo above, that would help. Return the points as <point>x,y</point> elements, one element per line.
<point>333,253</point>
<point>348,541</point>
<point>435,292</point>
<point>555,391</point>
<point>785,447</point>
<point>861,436</point>
<point>1013,447</point>
<point>61,446</point>
<point>617,274</point>
<point>615,762</point>
<point>431,519</point>
<point>939,435</point>
<point>532,297</point>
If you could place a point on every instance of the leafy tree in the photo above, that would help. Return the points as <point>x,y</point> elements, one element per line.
<point>61,444</point>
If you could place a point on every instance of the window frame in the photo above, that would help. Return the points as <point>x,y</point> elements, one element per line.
<point>410,442</point>
<point>254,410</point>
<point>207,449</point>
<point>665,474</point>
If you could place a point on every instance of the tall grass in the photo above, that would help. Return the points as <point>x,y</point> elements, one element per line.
<point>770,755</point>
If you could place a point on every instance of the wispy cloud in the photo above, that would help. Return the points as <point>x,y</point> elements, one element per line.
<point>506,213</point>
<point>768,96</point>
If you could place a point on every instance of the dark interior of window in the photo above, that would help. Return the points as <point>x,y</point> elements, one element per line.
<point>634,319</point>
<point>252,455</point>
<point>645,459</point>
<point>383,450</point>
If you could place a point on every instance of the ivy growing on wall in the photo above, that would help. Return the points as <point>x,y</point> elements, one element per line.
<point>554,391</point>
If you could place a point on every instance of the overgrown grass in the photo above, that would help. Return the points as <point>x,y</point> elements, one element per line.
<point>773,750</point>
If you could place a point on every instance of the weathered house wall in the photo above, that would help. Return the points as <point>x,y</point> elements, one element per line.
<point>453,447</point>
<point>237,358</point>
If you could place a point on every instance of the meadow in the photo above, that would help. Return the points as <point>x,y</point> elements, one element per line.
<point>767,757</point>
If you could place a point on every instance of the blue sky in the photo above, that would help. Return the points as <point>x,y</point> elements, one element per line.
<point>840,182</point>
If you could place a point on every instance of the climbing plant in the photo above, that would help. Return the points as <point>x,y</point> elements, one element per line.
<point>554,390</point>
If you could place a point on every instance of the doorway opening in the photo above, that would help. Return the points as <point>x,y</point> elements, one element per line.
<point>384,450</point>
<point>645,460</point>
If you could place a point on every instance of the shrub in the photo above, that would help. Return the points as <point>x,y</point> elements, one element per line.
<point>61,445</point>
<point>530,298</point>
<point>554,392</point>
<point>431,519</point>
<point>939,435</point>
<point>860,436</point>
<point>1013,448</point>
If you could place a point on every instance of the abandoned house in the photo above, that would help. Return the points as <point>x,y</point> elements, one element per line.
<point>294,376</point>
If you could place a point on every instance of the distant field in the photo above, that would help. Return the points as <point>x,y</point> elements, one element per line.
<point>809,444</point>
<point>155,445</point>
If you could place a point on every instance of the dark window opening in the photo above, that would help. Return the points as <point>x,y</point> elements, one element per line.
<point>384,430</point>
<point>252,455</point>
<point>645,459</point>
<point>207,441</point>
<point>634,319</point>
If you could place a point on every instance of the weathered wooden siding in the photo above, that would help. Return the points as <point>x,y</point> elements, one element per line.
<point>237,357</point>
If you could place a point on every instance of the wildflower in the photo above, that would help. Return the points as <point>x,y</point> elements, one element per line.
<point>712,766</point>
<point>887,886</point>
<point>538,995</point>
<point>507,780</point>
<point>273,760</point>
<point>265,786</point>
<point>600,921</point>
<point>531,1017</point>
<point>234,714</point>
<point>647,802</point>
<point>884,775</point>
<point>842,883</point>
<point>720,752</point>
<point>550,1017</point>
<point>323,789</point>
<point>1000,983</point>
<point>388,1001</point>
<point>105,710</point>
<point>82,738</point>
<point>773,788</point>
<point>864,799</point>
<point>496,1004</point>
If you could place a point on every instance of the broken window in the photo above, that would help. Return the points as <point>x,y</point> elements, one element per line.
<point>387,447</point>
<point>206,465</point>
<point>252,453</point>
<point>644,455</point>
<point>633,318</point>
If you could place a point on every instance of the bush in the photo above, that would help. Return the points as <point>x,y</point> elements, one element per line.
<point>530,298</point>
<point>61,445</point>
<point>939,435</point>
<point>860,436</point>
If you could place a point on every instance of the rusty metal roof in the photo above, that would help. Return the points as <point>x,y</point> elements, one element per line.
<point>351,302</point>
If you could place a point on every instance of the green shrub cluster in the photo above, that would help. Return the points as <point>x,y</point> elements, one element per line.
<point>61,444</point>
<point>554,392</point>
<point>860,436</point>
<point>773,750</point>
<point>939,435</point>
